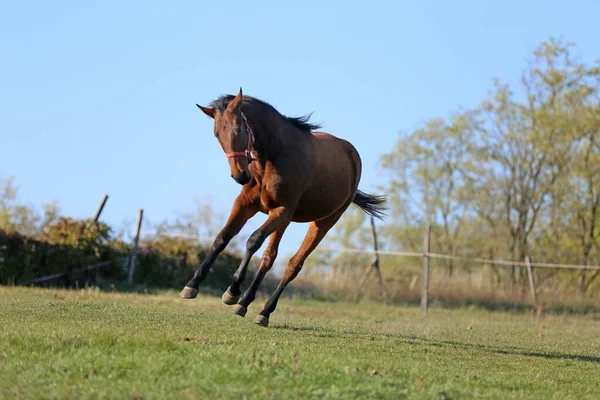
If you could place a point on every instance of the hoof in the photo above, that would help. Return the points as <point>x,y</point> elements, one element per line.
<point>240,310</point>
<point>261,320</point>
<point>188,293</point>
<point>229,298</point>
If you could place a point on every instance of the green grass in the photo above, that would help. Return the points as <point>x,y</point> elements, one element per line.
<point>86,344</point>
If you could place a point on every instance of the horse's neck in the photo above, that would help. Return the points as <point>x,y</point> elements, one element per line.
<point>273,138</point>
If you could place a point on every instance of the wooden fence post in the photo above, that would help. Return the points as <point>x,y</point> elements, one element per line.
<point>135,247</point>
<point>425,277</point>
<point>99,211</point>
<point>96,218</point>
<point>531,281</point>
<point>382,292</point>
<point>374,265</point>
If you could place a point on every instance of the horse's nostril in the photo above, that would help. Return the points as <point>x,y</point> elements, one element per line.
<point>243,178</point>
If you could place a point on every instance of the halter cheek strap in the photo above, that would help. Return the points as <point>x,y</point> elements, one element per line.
<point>248,152</point>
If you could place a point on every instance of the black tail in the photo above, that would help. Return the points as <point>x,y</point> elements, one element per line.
<point>372,205</point>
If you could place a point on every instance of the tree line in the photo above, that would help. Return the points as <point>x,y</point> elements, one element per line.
<point>516,176</point>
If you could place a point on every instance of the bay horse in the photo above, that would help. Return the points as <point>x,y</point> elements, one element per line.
<point>287,171</point>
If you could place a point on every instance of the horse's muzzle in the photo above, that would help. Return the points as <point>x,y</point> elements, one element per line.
<point>242,178</point>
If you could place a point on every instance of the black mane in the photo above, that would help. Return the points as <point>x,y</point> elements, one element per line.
<point>299,122</point>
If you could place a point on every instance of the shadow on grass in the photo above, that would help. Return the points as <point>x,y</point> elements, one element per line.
<point>295,328</point>
<point>416,340</point>
<point>496,349</point>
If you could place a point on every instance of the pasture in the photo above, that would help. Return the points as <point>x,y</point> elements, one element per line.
<point>91,344</point>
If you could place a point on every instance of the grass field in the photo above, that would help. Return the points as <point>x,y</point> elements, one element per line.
<point>87,344</point>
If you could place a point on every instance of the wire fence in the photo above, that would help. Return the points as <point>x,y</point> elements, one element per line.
<point>427,256</point>
<point>460,258</point>
<point>74,271</point>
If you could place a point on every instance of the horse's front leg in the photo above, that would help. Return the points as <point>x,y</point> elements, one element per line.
<point>242,211</point>
<point>267,262</point>
<point>278,217</point>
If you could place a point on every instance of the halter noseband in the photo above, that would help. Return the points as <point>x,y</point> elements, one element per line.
<point>248,152</point>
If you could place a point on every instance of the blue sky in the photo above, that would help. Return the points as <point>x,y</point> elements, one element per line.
<point>98,97</point>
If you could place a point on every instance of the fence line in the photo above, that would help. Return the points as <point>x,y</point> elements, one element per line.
<point>472,259</point>
<point>61,274</point>
<point>199,238</point>
<point>427,255</point>
<point>389,253</point>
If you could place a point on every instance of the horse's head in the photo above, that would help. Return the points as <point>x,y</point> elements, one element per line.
<point>235,137</point>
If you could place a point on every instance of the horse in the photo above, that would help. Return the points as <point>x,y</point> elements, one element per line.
<point>289,171</point>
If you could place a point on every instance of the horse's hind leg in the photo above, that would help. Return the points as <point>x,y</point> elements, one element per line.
<point>316,232</point>
<point>268,259</point>
<point>278,217</point>
<point>241,212</point>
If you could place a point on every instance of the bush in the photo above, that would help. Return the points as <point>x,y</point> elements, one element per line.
<point>68,244</point>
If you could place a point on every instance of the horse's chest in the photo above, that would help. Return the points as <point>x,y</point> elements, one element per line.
<point>271,197</point>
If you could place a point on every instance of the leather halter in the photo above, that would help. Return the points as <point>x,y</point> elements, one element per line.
<point>248,152</point>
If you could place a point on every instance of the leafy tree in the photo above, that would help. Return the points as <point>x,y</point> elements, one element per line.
<point>517,176</point>
<point>21,218</point>
<point>432,171</point>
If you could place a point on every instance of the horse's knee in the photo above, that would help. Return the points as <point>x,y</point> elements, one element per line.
<point>269,258</point>
<point>292,270</point>
<point>296,271</point>
<point>220,242</point>
<point>254,242</point>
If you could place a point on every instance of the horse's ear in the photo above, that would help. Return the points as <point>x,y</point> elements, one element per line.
<point>208,111</point>
<point>236,102</point>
